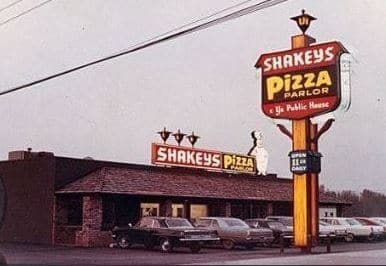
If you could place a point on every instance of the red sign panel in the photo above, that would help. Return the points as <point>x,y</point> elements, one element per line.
<point>163,154</point>
<point>300,83</point>
<point>184,156</point>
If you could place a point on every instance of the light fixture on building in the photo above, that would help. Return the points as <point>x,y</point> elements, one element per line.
<point>164,134</point>
<point>179,137</point>
<point>193,139</point>
<point>303,21</point>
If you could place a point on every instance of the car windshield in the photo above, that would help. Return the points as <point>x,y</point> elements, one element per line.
<point>274,224</point>
<point>177,223</point>
<point>323,223</point>
<point>352,222</point>
<point>235,222</point>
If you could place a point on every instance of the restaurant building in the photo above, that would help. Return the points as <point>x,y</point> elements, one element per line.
<point>67,201</point>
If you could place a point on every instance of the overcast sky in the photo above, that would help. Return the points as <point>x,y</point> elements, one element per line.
<point>205,82</point>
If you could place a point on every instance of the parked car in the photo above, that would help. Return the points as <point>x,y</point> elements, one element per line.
<point>288,221</point>
<point>168,232</point>
<point>336,231</point>
<point>369,221</point>
<point>381,220</point>
<point>278,229</point>
<point>355,230</point>
<point>234,231</point>
<point>324,229</point>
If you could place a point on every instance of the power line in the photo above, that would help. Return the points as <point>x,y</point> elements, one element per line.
<point>152,42</point>
<point>191,23</point>
<point>25,12</point>
<point>10,5</point>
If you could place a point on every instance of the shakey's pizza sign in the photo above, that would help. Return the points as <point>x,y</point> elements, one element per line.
<point>163,154</point>
<point>300,83</point>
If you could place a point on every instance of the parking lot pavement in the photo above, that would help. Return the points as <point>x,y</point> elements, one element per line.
<point>368,257</point>
<point>46,255</point>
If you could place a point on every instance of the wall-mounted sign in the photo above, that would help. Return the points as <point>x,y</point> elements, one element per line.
<point>238,163</point>
<point>302,161</point>
<point>300,83</point>
<point>163,154</point>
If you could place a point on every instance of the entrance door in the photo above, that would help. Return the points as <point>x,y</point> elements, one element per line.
<point>237,210</point>
<point>125,210</point>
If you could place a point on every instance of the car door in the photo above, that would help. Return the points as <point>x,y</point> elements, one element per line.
<point>222,231</point>
<point>143,230</point>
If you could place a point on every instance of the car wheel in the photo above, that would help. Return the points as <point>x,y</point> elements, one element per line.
<point>349,237</point>
<point>166,245</point>
<point>228,244</point>
<point>371,237</point>
<point>124,242</point>
<point>195,248</point>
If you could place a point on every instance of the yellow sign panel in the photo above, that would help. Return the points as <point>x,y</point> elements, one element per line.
<point>239,162</point>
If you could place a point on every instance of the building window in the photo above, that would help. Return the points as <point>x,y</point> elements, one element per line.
<point>198,210</point>
<point>177,210</point>
<point>149,209</point>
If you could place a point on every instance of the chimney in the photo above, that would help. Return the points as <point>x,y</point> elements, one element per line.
<point>23,155</point>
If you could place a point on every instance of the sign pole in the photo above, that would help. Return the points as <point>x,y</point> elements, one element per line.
<point>314,180</point>
<point>301,140</point>
<point>298,84</point>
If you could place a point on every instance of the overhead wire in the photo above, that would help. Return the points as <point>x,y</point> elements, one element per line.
<point>10,5</point>
<point>192,23</point>
<point>25,12</point>
<point>162,38</point>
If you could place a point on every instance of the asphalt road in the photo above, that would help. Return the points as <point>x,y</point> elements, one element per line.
<point>368,257</point>
<point>17,254</point>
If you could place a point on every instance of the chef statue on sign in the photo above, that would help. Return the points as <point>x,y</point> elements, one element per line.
<point>259,152</point>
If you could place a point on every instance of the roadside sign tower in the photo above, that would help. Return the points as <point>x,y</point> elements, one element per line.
<point>298,84</point>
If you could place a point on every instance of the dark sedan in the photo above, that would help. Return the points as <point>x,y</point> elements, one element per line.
<point>167,232</point>
<point>277,228</point>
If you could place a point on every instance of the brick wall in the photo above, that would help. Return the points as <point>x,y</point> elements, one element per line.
<point>91,234</point>
<point>29,186</point>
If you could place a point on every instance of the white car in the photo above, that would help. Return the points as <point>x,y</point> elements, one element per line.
<point>381,220</point>
<point>338,231</point>
<point>355,230</point>
<point>334,231</point>
<point>369,221</point>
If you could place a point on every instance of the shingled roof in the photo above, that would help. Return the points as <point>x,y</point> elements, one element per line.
<point>165,182</point>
